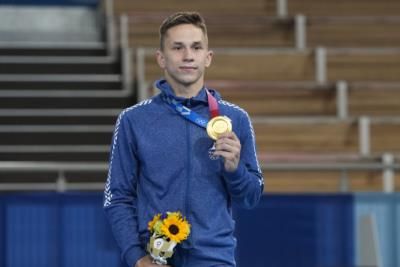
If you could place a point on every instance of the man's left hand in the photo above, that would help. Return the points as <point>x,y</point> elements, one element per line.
<point>228,146</point>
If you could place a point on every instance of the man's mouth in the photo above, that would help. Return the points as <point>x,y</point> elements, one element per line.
<point>188,68</point>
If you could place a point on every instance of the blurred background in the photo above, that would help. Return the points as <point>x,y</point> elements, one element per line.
<point>320,79</point>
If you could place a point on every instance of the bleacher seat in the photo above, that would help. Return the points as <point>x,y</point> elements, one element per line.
<point>355,32</point>
<point>251,30</point>
<point>363,65</point>
<point>250,65</point>
<point>344,7</point>
<point>266,98</point>
<point>234,7</point>
<point>374,98</point>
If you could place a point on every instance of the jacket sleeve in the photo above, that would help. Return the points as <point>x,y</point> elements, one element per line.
<point>120,198</point>
<point>246,184</point>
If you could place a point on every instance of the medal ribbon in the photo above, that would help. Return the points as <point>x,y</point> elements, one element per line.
<point>212,105</point>
<point>192,116</point>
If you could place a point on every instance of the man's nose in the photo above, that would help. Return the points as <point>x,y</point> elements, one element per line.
<point>188,55</point>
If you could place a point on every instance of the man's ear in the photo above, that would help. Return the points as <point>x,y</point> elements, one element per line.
<point>160,59</point>
<point>210,54</point>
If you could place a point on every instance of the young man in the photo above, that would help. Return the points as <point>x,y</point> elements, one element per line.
<point>165,158</point>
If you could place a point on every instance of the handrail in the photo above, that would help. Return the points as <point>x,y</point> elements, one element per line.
<point>15,166</point>
<point>347,19</point>
<point>60,77</point>
<point>362,50</point>
<point>56,59</point>
<point>78,112</point>
<point>329,166</point>
<point>32,166</point>
<point>54,148</point>
<point>64,93</point>
<point>61,184</point>
<point>57,128</point>
<point>386,166</point>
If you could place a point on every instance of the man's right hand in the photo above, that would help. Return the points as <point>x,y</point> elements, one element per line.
<point>147,261</point>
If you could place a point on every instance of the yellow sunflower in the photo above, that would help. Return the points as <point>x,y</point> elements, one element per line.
<point>152,223</point>
<point>175,227</point>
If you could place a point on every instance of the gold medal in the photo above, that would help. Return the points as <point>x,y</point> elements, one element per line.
<point>218,125</point>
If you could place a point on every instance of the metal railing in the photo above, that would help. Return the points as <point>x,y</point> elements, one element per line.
<point>387,166</point>
<point>60,183</point>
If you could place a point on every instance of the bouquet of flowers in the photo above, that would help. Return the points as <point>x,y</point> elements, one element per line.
<point>167,231</point>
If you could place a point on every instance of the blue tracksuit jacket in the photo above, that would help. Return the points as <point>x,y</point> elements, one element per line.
<point>160,162</point>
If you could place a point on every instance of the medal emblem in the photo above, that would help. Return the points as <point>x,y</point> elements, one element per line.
<point>218,125</point>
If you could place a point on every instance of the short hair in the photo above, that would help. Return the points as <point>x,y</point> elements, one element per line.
<point>193,18</point>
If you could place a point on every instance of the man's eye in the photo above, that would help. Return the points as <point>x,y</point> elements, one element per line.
<point>197,47</point>
<point>177,48</point>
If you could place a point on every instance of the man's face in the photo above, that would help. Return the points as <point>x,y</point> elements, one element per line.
<point>185,55</point>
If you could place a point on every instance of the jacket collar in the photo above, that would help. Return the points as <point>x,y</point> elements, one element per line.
<point>201,97</point>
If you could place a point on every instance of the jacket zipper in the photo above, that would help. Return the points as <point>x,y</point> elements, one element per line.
<point>189,175</point>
